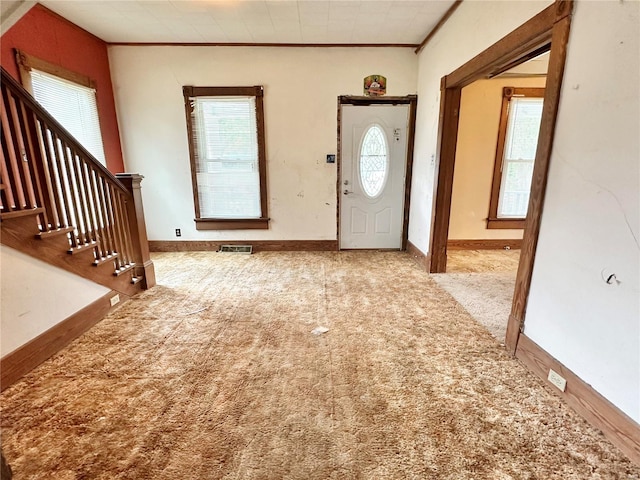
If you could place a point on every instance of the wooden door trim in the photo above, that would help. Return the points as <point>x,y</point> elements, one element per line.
<point>412,101</point>
<point>551,26</point>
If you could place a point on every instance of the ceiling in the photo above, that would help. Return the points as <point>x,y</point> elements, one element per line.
<point>255,21</point>
<point>535,67</point>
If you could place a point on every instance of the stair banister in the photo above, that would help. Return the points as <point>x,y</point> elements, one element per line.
<point>46,172</point>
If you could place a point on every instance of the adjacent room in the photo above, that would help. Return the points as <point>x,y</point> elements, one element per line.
<point>320,239</point>
<point>495,153</point>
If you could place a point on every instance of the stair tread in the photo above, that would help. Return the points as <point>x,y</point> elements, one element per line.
<point>85,247</point>
<point>54,233</point>
<point>20,213</point>
<point>124,269</point>
<point>101,261</point>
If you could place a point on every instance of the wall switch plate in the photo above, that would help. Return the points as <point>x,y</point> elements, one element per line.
<point>559,381</point>
<point>178,232</point>
<point>115,300</point>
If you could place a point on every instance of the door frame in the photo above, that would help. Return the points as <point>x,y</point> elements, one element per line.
<point>412,101</point>
<point>549,27</point>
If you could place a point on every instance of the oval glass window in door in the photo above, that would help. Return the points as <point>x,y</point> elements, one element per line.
<point>374,161</point>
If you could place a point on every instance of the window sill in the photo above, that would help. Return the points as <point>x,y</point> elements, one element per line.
<point>232,223</point>
<point>505,223</point>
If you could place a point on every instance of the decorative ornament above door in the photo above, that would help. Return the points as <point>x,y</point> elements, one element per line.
<point>375,85</point>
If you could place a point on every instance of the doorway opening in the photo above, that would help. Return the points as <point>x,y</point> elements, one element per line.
<point>549,30</point>
<point>498,128</point>
<point>375,159</point>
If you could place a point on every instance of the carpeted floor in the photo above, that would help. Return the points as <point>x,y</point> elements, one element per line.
<point>482,281</point>
<point>483,261</point>
<point>215,374</point>
<point>487,297</point>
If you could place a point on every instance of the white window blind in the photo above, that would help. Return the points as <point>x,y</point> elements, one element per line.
<point>74,106</point>
<point>226,138</point>
<point>521,142</point>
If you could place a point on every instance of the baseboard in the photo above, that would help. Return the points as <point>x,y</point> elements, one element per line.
<point>621,430</point>
<point>421,258</point>
<point>258,245</point>
<point>21,361</point>
<point>489,244</point>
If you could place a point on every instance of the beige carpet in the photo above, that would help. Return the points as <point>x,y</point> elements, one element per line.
<point>215,374</point>
<point>483,261</point>
<point>487,297</point>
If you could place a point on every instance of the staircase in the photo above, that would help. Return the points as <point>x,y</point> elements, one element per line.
<point>60,205</point>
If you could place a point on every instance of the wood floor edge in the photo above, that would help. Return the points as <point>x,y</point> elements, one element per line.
<point>21,361</point>
<point>492,244</point>
<point>258,245</point>
<point>421,258</point>
<point>619,429</point>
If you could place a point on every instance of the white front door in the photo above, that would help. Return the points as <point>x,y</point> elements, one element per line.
<point>372,175</point>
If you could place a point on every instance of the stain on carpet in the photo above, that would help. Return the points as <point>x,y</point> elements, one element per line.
<point>214,374</point>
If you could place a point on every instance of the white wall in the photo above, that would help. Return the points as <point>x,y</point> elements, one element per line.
<point>301,89</point>
<point>591,219</point>
<point>31,305</point>
<point>473,27</point>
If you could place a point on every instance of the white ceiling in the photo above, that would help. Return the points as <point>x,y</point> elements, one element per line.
<point>254,21</point>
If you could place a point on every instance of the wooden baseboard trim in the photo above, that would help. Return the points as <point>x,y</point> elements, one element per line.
<point>24,359</point>
<point>484,244</point>
<point>621,430</point>
<point>421,258</point>
<point>258,245</point>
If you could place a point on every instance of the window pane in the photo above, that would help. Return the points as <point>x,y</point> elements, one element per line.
<point>74,106</point>
<point>524,125</point>
<point>374,161</point>
<point>516,184</point>
<point>227,157</point>
<point>521,143</point>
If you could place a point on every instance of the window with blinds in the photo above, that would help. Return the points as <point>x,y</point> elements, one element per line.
<point>74,106</point>
<point>227,156</point>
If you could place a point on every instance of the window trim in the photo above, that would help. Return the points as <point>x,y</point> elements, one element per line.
<point>27,62</point>
<point>493,222</point>
<point>229,223</point>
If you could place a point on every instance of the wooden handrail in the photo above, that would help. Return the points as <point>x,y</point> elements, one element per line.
<point>45,171</point>
<point>62,132</point>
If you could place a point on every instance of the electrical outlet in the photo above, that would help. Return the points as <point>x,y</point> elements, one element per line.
<point>178,232</point>
<point>557,380</point>
<point>115,300</point>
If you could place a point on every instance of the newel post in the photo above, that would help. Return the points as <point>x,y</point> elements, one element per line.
<point>137,227</point>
